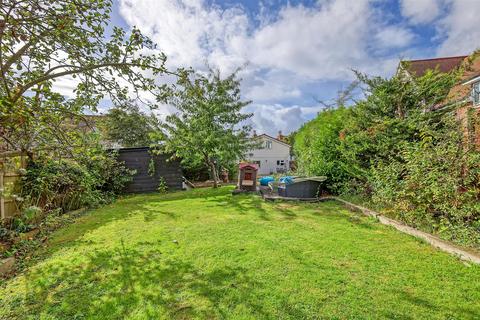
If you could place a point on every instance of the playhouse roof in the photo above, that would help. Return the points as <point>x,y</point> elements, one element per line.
<point>251,165</point>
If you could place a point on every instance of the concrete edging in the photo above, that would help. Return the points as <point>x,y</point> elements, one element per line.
<point>431,239</point>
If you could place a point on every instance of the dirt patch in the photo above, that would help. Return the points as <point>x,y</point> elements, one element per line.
<point>7,266</point>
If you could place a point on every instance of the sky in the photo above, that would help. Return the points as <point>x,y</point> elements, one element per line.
<point>295,53</point>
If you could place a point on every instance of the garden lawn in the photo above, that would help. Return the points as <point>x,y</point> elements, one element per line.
<point>206,254</point>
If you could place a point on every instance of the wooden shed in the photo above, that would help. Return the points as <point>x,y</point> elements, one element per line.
<point>247,176</point>
<point>150,169</point>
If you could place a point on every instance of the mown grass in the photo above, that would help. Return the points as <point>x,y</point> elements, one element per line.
<point>205,254</point>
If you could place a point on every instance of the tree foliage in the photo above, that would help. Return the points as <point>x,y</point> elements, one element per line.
<point>394,111</point>
<point>209,127</point>
<point>404,151</point>
<point>42,42</point>
<point>317,147</point>
<point>129,127</point>
<point>45,45</point>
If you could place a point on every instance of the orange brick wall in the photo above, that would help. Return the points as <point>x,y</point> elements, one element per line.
<point>462,94</point>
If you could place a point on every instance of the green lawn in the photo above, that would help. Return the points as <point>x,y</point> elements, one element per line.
<point>205,254</point>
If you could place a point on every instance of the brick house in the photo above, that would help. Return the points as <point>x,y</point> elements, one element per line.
<point>466,98</point>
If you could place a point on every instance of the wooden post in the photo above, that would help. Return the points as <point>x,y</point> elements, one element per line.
<point>2,199</point>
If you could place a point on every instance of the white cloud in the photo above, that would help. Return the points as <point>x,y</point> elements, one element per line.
<point>270,119</point>
<point>275,85</point>
<point>420,11</point>
<point>394,37</point>
<point>65,86</point>
<point>319,43</point>
<point>189,32</point>
<point>270,92</point>
<point>286,50</point>
<point>461,28</point>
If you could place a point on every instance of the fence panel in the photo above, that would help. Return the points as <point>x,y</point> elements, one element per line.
<point>10,163</point>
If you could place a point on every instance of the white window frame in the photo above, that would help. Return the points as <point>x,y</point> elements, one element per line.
<point>268,144</point>
<point>281,163</point>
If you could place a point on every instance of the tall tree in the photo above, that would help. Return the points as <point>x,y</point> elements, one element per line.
<point>42,41</point>
<point>209,126</point>
<point>130,127</point>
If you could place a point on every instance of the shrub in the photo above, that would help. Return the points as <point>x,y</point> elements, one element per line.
<point>316,147</point>
<point>111,176</point>
<point>69,185</point>
<point>162,185</point>
<point>63,184</point>
<point>433,185</point>
<point>407,157</point>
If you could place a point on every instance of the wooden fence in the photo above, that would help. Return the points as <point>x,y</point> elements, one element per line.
<point>10,165</point>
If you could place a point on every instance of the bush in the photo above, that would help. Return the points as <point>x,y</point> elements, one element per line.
<point>162,185</point>
<point>111,176</point>
<point>393,150</point>
<point>316,148</point>
<point>433,185</point>
<point>69,185</point>
<point>64,184</point>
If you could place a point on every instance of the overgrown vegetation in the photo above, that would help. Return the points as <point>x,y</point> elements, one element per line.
<point>316,145</point>
<point>162,185</point>
<point>401,152</point>
<point>52,187</point>
<point>41,43</point>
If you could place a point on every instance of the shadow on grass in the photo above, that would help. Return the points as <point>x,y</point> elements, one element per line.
<point>248,205</point>
<point>449,313</point>
<point>121,210</point>
<point>124,282</point>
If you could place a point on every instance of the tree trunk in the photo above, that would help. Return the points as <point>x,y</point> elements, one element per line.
<point>214,174</point>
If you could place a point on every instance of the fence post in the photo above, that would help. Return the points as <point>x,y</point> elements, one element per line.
<point>2,198</point>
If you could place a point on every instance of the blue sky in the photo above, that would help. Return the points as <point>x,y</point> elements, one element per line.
<point>297,52</point>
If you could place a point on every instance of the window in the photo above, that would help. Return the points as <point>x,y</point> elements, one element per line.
<point>268,144</point>
<point>280,162</point>
<point>476,93</point>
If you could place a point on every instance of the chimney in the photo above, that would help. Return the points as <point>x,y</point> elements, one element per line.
<point>254,133</point>
<point>280,136</point>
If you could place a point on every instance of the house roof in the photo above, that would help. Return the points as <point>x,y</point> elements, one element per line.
<point>418,68</point>
<point>460,93</point>
<point>270,137</point>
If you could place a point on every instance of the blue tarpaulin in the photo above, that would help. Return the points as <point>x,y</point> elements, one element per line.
<point>286,180</point>
<point>265,180</point>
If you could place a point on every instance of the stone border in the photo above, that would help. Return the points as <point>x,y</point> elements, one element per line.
<point>431,239</point>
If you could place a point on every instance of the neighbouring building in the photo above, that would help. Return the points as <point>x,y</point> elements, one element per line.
<point>418,68</point>
<point>273,155</point>
<point>464,96</point>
